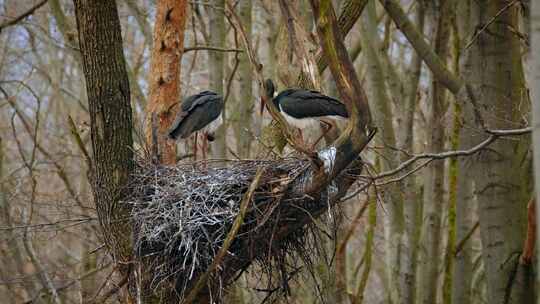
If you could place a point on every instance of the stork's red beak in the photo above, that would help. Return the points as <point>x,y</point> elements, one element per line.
<point>262,106</point>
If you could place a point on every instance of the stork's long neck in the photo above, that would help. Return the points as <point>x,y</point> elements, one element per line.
<point>270,91</point>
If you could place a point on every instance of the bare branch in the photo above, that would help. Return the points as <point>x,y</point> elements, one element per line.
<point>461,243</point>
<point>429,157</point>
<point>210,48</point>
<point>21,17</point>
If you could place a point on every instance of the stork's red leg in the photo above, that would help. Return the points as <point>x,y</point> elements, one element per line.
<point>195,147</point>
<point>205,147</point>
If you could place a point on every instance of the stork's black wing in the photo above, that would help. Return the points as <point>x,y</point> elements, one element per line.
<point>300,103</point>
<point>197,111</point>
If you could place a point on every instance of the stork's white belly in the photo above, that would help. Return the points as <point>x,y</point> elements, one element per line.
<point>214,125</point>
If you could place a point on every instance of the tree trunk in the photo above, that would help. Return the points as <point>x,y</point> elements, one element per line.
<point>535,93</point>
<point>500,175</point>
<point>215,69</point>
<point>107,87</point>
<point>380,103</point>
<point>164,80</point>
<point>244,105</point>
<point>439,24</point>
<point>462,273</point>
<point>412,202</point>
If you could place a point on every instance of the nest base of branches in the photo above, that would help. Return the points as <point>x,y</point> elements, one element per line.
<point>182,214</point>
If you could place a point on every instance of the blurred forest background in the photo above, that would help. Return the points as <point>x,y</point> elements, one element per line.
<point>443,230</point>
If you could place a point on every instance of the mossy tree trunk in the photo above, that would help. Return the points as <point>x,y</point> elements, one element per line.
<point>438,22</point>
<point>243,106</point>
<point>462,268</point>
<point>412,201</point>
<point>382,114</point>
<point>216,69</point>
<point>502,173</point>
<point>535,93</point>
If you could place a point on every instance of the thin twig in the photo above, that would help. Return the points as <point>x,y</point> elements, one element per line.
<point>461,243</point>
<point>79,141</point>
<point>236,64</point>
<point>77,220</point>
<point>499,13</point>
<point>429,157</point>
<point>113,290</point>
<point>19,18</point>
<point>210,48</point>
<point>89,273</point>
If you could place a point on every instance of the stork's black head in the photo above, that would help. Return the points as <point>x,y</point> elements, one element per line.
<point>270,88</point>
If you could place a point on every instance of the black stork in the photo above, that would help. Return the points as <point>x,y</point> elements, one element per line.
<point>199,113</point>
<point>304,108</point>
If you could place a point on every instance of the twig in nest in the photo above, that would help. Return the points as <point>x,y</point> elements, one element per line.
<point>228,241</point>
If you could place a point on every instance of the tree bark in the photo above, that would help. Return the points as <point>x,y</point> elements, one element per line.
<point>412,202</point>
<point>164,79</point>
<point>439,24</point>
<point>350,12</point>
<point>107,87</point>
<point>215,69</point>
<point>535,93</point>
<point>501,174</point>
<point>245,104</point>
<point>462,273</point>
<point>380,105</point>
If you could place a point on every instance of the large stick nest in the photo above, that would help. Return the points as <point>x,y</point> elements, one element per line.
<point>183,213</point>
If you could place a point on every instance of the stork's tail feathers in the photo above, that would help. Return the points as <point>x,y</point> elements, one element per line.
<point>175,132</point>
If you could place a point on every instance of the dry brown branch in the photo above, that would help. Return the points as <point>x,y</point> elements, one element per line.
<point>210,48</point>
<point>78,140</point>
<point>19,18</point>
<point>466,238</point>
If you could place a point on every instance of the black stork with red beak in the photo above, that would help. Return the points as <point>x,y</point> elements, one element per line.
<point>304,108</point>
<point>199,113</point>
